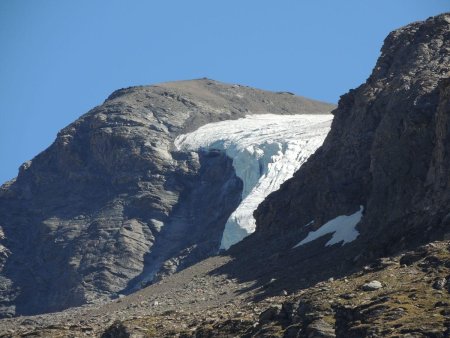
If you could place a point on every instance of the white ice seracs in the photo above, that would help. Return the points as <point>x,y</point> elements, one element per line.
<point>342,227</point>
<point>266,150</point>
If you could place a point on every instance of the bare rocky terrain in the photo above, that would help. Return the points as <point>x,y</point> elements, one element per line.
<point>386,156</point>
<point>407,295</point>
<point>387,152</point>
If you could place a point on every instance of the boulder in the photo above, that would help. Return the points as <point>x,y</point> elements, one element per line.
<point>372,286</point>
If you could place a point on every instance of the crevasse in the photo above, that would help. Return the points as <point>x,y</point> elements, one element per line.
<point>266,150</point>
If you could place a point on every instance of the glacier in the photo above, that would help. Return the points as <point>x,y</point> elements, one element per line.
<point>342,227</point>
<point>266,150</point>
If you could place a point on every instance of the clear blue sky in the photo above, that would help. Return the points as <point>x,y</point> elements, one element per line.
<point>60,58</point>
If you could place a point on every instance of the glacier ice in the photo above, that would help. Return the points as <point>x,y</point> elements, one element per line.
<point>266,150</point>
<point>342,227</point>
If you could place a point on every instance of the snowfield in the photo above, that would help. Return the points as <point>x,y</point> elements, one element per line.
<point>266,150</point>
<point>342,227</point>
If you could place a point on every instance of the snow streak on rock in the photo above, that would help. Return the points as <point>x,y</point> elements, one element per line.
<point>266,151</point>
<point>342,227</point>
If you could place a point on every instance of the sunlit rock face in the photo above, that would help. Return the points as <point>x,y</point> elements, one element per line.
<point>266,151</point>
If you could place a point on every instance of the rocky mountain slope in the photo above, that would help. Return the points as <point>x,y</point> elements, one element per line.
<point>401,296</point>
<point>387,153</point>
<point>112,203</point>
<point>377,186</point>
<point>354,245</point>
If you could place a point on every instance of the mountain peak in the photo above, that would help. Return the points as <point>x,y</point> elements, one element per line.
<point>112,204</point>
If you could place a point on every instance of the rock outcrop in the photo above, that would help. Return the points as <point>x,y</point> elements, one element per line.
<point>112,203</point>
<point>387,151</point>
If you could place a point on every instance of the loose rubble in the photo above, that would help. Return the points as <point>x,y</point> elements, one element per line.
<point>196,303</point>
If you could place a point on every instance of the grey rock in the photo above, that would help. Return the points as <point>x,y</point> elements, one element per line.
<point>348,296</point>
<point>412,257</point>
<point>292,331</point>
<point>111,205</point>
<point>439,283</point>
<point>441,304</point>
<point>116,330</point>
<point>270,314</point>
<point>270,283</point>
<point>386,151</point>
<point>372,286</point>
<point>320,329</point>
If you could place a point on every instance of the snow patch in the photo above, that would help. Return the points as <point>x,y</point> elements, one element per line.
<point>342,227</point>
<point>266,150</point>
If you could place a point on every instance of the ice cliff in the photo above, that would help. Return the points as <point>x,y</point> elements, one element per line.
<point>266,151</point>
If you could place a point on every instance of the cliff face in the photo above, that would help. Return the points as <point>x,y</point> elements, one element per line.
<point>111,203</point>
<point>388,151</point>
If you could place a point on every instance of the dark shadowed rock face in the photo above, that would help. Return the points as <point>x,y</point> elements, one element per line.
<point>110,203</point>
<point>388,150</point>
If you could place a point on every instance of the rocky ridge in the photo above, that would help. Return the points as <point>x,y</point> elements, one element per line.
<point>386,151</point>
